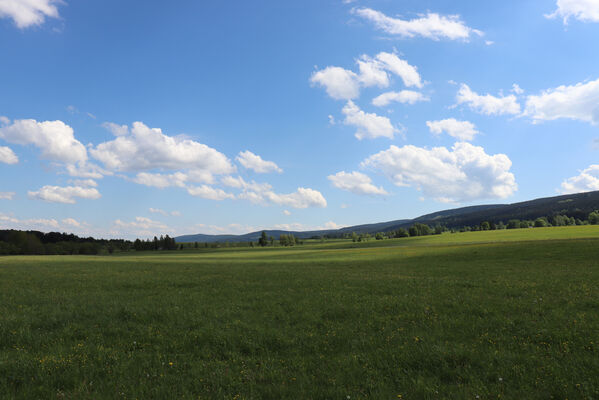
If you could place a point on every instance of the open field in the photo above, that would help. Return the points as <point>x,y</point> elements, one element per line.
<point>496,314</point>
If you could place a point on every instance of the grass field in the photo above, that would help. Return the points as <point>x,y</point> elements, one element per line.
<point>498,314</point>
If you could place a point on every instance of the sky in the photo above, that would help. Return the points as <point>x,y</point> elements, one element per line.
<point>134,119</point>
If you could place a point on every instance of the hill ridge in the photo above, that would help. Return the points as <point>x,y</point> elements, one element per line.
<point>577,205</point>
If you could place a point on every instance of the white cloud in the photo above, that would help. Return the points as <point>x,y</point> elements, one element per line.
<point>339,83</point>
<point>145,148</point>
<point>299,227</point>
<point>488,104</point>
<point>332,225</point>
<point>84,182</point>
<point>372,73</point>
<point>26,13</point>
<point>461,130</point>
<point>432,25</point>
<point>54,138</point>
<point>66,194</point>
<point>141,226</point>
<point>405,97</point>
<point>86,170</point>
<point>355,182</point>
<point>369,125</point>
<point>254,162</point>
<point>408,73</point>
<point>10,221</point>
<point>7,195</point>
<point>302,198</point>
<point>42,222</point>
<point>4,120</point>
<point>286,212</point>
<point>208,192</point>
<point>343,84</point>
<point>7,156</point>
<point>517,89</point>
<point>71,222</point>
<point>464,173</point>
<point>240,183</point>
<point>161,181</point>
<point>262,193</point>
<point>116,129</point>
<point>583,10</point>
<point>587,180</point>
<point>578,102</point>
<point>165,213</point>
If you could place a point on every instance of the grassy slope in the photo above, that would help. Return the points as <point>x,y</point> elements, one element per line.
<point>453,316</point>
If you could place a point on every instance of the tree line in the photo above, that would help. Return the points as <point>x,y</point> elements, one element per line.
<point>14,242</point>
<point>419,229</point>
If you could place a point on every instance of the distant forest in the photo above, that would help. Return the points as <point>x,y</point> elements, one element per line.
<point>14,242</point>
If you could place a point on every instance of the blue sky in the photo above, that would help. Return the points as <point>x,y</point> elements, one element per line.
<point>139,118</point>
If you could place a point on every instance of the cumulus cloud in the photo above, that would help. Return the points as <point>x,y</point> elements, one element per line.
<point>405,97</point>
<point>431,25</point>
<point>209,192</point>
<point>339,83</point>
<point>287,212</point>
<point>240,183</point>
<point>356,182</point>
<point>141,226</point>
<point>26,13</point>
<point>299,227</point>
<point>254,162</point>
<point>517,89</point>
<point>57,143</point>
<point>586,181</point>
<point>461,130</point>
<point>301,198</point>
<point>7,195</point>
<point>54,138</point>
<point>343,84</point>
<point>7,156</point>
<point>66,194</point>
<point>116,129</point>
<point>84,182</point>
<point>369,125</point>
<point>87,170</point>
<point>145,148</point>
<point>408,73</point>
<point>583,10</point>
<point>165,213</point>
<point>578,102</point>
<point>262,193</point>
<point>488,104</point>
<point>463,173</point>
<point>9,221</point>
<point>161,181</point>
<point>373,71</point>
<point>71,222</point>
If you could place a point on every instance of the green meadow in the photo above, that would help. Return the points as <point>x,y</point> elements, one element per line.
<point>508,314</point>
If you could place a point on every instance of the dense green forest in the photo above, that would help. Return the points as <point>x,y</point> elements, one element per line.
<point>14,242</point>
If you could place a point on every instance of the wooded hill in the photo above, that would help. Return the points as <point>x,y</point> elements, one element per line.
<point>573,205</point>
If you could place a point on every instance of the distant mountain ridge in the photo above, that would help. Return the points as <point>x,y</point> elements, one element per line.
<point>577,205</point>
